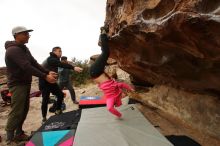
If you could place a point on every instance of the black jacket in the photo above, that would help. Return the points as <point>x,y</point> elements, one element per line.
<point>21,65</point>
<point>53,62</point>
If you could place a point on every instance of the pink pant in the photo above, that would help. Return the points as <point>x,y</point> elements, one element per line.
<point>111,102</point>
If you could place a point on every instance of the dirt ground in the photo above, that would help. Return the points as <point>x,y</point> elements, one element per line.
<point>166,124</point>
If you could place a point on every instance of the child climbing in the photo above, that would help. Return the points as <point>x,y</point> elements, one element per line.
<point>113,90</point>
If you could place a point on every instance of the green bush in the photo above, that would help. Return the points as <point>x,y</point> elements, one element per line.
<point>83,77</point>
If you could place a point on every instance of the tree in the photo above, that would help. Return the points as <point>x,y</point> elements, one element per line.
<point>80,78</point>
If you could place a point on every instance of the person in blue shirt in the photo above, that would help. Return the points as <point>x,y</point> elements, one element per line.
<point>64,79</point>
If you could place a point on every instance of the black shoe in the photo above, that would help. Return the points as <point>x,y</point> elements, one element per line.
<point>44,120</point>
<point>52,109</point>
<point>58,112</point>
<point>63,106</point>
<point>9,136</point>
<point>75,102</point>
<point>51,101</point>
<point>22,137</point>
<point>10,142</point>
<point>19,131</point>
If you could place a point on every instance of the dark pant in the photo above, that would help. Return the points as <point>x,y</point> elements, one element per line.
<point>19,108</point>
<point>69,86</point>
<point>47,88</point>
<point>97,68</point>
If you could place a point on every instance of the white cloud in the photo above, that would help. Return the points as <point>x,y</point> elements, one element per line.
<point>71,24</point>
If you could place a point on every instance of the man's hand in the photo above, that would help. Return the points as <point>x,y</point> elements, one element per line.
<point>123,94</point>
<point>104,29</point>
<point>78,69</point>
<point>132,89</point>
<point>51,78</point>
<point>54,74</point>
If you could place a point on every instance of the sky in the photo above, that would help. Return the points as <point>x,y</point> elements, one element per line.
<point>71,24</point>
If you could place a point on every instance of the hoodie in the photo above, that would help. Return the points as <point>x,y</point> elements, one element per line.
<point>113,89</point>
<point>21,65</point>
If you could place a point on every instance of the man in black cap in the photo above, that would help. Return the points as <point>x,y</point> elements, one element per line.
<point>21,66</point>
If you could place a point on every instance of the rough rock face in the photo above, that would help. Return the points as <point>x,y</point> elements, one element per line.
<point>175,42</point>
<point>172,43</point>
<point>201,112</point>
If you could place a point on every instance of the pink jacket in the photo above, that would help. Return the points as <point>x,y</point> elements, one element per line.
<point>113,89</point>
